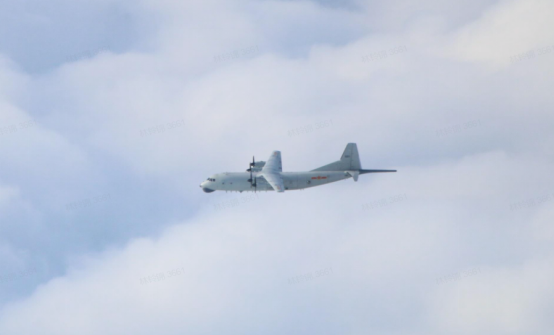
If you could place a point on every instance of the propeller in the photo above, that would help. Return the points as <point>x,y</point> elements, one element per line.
<point>250,170</point>
<point>252,164</point>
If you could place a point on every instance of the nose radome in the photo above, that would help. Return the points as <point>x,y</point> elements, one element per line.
<point>204,188</point>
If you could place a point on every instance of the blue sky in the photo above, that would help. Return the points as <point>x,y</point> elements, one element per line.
<point>96,201</point>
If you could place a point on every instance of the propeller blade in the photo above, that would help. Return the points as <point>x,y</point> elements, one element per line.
<point>252,180</point>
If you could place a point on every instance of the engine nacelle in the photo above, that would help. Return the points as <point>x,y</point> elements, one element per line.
<point>257,166</point>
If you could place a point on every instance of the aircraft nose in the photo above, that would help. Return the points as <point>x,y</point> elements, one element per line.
<point>205,189</point>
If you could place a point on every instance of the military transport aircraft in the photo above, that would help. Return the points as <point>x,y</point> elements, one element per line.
<point>269,176</point>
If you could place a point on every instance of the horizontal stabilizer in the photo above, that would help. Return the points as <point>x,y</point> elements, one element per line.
<point>375,171</point>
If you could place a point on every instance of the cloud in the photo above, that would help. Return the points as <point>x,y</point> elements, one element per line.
<point>501,300</point>
<point>145,120</point>
<point>235,266</point>
<point>506,30</point>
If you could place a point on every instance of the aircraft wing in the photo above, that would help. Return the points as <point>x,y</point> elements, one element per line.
<point>275,180</point>
<point>272,172</point>
<point>273,164</point>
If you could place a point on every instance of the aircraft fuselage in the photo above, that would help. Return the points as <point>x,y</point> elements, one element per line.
<point>238,181</point>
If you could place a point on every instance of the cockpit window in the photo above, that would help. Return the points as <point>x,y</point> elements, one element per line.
<point>211,179</point>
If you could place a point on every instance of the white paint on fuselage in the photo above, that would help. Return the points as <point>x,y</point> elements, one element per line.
<point>238,181</point>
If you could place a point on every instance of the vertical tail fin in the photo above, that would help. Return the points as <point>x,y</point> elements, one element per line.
<point>351,157</point>
<point>349,161</point>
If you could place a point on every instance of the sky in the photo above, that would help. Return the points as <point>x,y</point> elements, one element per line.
<point>112,112</point>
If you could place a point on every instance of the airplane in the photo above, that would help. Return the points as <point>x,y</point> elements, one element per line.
<point>269,176</point>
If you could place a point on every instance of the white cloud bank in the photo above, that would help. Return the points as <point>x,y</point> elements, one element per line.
<point>230,270</point>
<point>233,266</point>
